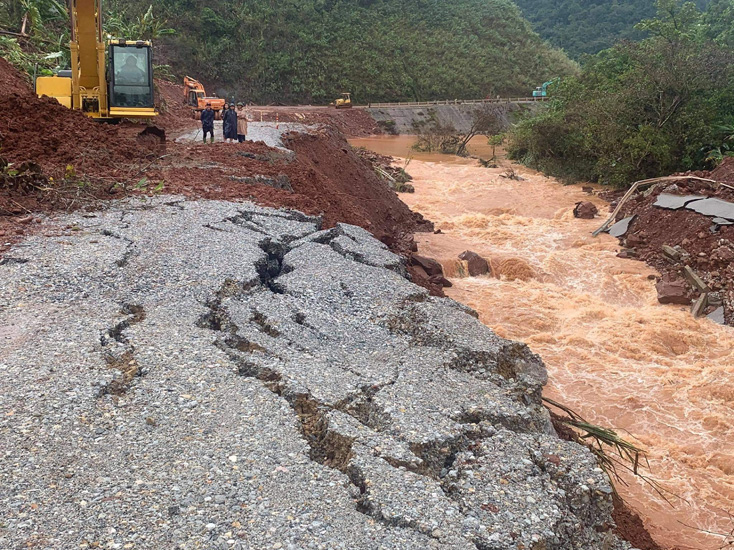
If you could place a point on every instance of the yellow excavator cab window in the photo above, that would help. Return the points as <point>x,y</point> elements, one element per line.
<point>131,76</point>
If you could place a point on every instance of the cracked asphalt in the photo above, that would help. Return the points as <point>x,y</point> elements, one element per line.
<point>202,374</point>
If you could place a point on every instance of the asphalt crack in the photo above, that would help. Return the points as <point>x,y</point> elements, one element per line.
<point>119,353</point>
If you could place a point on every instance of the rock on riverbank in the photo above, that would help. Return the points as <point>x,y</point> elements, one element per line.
<point>203,374</point>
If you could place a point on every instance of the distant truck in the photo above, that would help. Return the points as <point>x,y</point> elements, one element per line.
<point>195,97</point>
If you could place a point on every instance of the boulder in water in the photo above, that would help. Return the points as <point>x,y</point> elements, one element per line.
<point>585,210</point>
<point>429,265</point>
<point>476,264</point>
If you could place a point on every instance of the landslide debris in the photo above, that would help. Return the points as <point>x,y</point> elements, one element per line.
<point>76,161</point>
<point>692,251</point>
<point>43,131</point>
<point>298,391</point>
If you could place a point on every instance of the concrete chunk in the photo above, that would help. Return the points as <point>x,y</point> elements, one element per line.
<point>713,207</point>
<point>675,202</point>
<point>695,281</point>
<point>620,228</point>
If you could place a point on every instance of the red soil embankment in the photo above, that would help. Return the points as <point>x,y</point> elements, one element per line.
<point>707,248</point>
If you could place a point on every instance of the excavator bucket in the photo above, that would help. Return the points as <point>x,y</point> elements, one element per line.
<point>159,133</point>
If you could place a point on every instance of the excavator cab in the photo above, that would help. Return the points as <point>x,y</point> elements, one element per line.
<point>130,77</point>
<point>194,97</point>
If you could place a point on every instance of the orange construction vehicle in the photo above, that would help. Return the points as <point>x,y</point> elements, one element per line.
<point>195,97</point>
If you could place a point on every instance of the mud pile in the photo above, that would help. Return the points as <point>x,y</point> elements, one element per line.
<point>53,158</point>
<point>360,193</point>
<point>694,240</point>
<point>56,138</point>
<point>174,113</point>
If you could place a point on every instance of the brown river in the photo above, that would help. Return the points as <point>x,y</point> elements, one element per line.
<point>661,378</point>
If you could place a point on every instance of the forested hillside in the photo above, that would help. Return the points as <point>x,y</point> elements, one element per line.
<point>588,26</point>
<point>642,109</point>
<point>310,50</point>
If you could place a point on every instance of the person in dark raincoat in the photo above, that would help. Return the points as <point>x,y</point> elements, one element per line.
<point>230,124</point>
<point>207,121</point>
<point>221,116</point>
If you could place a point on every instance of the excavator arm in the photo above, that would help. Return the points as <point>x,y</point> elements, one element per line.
<point>88,81</point>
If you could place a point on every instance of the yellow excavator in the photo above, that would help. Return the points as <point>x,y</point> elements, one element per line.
<point>108,80</point>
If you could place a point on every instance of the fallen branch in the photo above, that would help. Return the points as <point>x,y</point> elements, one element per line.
<point>384,174</point>
<point>642,183</point>
<point>612,452</point>
<point>11,33</point>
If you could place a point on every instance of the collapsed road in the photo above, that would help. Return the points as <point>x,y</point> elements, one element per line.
<point>204,374</point>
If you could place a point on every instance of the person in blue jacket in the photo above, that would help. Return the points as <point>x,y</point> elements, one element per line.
<point>207,121</point>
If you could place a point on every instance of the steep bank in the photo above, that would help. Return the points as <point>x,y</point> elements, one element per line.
<point>210,373</point>
<point>459,116</point>
<point>613,353</point>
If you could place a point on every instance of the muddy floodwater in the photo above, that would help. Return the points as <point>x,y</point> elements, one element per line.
<point>663,379</point>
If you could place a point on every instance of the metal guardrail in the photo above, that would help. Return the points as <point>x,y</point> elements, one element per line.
<point>458,102</point>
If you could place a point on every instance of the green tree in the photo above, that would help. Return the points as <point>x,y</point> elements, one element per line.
<point>639,109</point>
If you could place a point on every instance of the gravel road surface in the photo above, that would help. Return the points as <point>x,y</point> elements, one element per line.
<point>199,374</point>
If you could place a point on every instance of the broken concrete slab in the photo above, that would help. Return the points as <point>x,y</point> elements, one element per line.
<point>620,228</point>
<point>722,221</point>
<point>694,280</point>
<point>675,202</point>
<point>358,244</point>
<point>287,393</point>
<point>713,207</point>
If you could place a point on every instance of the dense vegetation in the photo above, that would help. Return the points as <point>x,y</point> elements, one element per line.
<point>588,26</point>
<point>34,34</point>
<point>311,50</point>
<point>380,50</point>
<point>644,109</point>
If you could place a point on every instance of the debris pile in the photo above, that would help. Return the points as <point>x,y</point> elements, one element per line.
<point>350,122</point>
<point>685,229</point>
<point>396,178</point>
<point>56,138</point>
